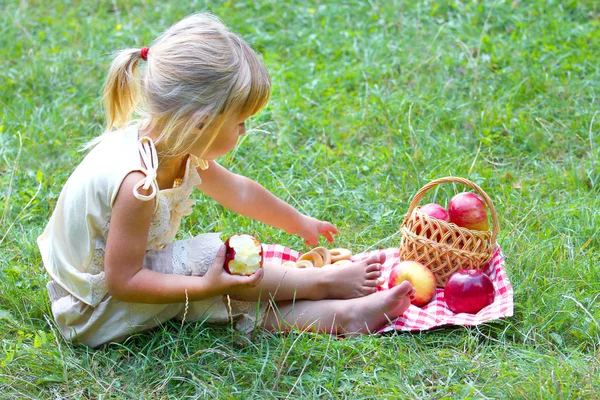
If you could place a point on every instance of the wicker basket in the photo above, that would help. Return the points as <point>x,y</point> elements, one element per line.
<point>442,246</point>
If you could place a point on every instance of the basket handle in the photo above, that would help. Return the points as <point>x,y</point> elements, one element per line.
<point>453,179</point>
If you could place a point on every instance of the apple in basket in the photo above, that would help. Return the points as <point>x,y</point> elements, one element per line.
<point>419,276</point>
<point>468,291</point>
<point>243,255</point>
<point>436,211</point>
<point>468,211</point>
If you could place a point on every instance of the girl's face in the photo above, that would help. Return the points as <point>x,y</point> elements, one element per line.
<point>226,139</point>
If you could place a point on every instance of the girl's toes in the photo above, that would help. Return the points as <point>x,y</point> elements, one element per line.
<point>404,289</point>
<point>373,275</point>
<point>378,258</point>
<point>412,292</point>
<point>374,267</point>
<point>372,259</point>
<point>373,282</point>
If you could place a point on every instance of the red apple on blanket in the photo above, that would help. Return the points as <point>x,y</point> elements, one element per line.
<point>468,291</point>
<point>243,255</point>
<point>419,276</point>
<point>468,210</point>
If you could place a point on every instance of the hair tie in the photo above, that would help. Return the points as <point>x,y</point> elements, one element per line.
<point>144,53</point>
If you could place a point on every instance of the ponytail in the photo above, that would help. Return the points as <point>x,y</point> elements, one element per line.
<point>121,89</point>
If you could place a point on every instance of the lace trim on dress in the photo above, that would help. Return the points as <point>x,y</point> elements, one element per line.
<point>104,231</point>
<point>160,225</point>
<point>177,203</point>
<point>98,287</point>
<point>190,176</point>
<point>97,264</point>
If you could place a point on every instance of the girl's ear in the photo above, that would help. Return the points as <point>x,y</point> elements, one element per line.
<point>201,120</point>
<point>203,124</point>
<point>208,120</point>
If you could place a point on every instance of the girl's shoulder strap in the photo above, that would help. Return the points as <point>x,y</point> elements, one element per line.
<point>150,161</point>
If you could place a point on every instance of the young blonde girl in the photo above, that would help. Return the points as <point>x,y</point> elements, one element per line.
<point>108,247</point>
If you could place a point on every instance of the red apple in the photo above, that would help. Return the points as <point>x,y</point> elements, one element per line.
<point>419,276</point>
<point>243,255</point>
<point>468,291</point>
<point>436,211</point>
<point>469,211</point>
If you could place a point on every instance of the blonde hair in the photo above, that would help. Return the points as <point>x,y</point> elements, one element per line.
<point>198,73</point>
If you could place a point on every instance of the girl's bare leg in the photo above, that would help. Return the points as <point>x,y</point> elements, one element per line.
<point>359,315</point>
<point>343,282</point>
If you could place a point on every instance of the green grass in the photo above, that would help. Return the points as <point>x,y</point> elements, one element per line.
<point>371,100</point>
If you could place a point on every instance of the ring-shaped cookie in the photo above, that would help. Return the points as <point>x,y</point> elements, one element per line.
<point>304,264</point>
<point>324,253</point>
<point>342,262</point>
<point>339,254</point>
<point>313,257</point>
<point>289,264</point>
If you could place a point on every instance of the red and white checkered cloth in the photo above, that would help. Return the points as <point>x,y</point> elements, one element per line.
<point>436,313</point>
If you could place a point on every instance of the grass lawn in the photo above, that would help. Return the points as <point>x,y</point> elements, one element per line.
<point>371,100</point>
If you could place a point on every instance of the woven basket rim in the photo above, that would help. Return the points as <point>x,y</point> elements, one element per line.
<point>454,179</point>
<point>447,246</point>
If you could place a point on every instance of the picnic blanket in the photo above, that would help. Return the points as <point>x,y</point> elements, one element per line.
<point>436,313</point>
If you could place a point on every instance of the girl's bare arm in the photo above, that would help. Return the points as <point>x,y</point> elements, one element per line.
<point>125,249</point>
<point>246,197</point>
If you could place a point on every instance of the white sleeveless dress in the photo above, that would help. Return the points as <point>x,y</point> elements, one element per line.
<point>73,243</point>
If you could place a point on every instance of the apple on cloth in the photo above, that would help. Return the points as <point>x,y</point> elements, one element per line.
<point>243,255</point>
<point>468,291</point>
<point>419,276</point>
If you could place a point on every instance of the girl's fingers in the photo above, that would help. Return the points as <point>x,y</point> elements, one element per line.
<point>328,236</point>
<point>220,258</point>
<point>311,242</point>
<point>333,229</point>
<point>254,279</point>
<point>311,239</point>
<point>327,230</point>
<point>245,281</point>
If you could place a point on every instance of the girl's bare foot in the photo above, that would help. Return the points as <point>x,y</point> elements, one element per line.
<point>353,280</point>
<point>369,313</point>
<point>352,316</point>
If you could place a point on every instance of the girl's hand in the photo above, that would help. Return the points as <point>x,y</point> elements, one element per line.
<point>223,282</point>
<point>311,228</point>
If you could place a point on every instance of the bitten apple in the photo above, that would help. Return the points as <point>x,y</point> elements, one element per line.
<point>243,255</point>
<point>468,210</point>
<point>419,276</point>
<point>468,291</point>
